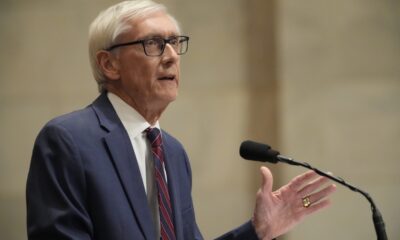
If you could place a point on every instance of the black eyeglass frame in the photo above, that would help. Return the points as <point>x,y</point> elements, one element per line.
<point>165,41</point>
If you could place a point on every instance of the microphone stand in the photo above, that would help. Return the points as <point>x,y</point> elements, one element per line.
<point>376,215</point>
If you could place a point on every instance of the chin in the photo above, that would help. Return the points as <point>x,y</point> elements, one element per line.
<point>172,98</point>
<point>167,95</point>
<point>171,93</point>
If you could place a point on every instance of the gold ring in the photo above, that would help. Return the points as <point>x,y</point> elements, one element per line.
<point>306,201</point>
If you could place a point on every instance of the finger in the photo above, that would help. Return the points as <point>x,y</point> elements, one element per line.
<point>317,206</point>
<point>312,186</point>
<point>316,197</point>
<point>298,182</point>
<point>267,180</point>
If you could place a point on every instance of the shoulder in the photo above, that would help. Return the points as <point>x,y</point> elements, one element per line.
<point>77,119</point>
<point>71,126</point>
<point>86,118</point>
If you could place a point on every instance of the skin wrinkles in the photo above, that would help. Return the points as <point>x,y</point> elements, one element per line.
<point>135,77</point>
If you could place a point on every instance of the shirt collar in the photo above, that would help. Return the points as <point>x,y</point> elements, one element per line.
<point>133,122</point>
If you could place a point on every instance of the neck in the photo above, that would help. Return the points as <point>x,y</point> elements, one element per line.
<point>149,111</point>
<point>150,115</point>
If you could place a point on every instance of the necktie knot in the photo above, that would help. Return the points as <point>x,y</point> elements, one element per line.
<point>154,136</point>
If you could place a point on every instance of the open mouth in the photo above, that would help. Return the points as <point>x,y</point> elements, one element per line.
<point>167,78</point>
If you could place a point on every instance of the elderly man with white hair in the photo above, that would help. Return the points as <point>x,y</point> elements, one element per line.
<point>108,172</point>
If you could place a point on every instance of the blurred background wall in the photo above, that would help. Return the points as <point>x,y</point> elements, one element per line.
<point>319,80</point>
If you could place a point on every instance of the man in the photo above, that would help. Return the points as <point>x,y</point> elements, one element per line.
<point>107,172</point>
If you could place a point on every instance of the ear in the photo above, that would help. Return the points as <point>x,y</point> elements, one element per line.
<point>108,64</point>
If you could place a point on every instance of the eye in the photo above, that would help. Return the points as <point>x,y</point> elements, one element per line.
<point>173,41</point>
<point>152,42</point>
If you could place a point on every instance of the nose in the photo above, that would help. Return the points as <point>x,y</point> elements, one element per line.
<point>169,56</point>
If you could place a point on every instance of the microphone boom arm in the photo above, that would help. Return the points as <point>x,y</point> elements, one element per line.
<point>376,215</point>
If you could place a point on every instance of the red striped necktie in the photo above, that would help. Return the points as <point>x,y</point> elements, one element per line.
<point>164,202</point>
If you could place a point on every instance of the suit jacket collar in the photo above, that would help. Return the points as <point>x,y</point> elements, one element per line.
<point>118,143</point>
<point>123,157</point>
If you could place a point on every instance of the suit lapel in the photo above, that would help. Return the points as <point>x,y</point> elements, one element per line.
<point>123,157</point>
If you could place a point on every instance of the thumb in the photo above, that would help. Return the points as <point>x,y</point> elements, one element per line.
<point>267,180</point>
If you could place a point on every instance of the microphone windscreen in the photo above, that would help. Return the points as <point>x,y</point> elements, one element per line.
<point>251,150</point>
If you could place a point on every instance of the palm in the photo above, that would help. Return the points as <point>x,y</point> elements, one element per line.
<point>279,211</point>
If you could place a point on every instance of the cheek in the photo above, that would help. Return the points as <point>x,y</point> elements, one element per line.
<point>137,66</point>
<point>146,69</point>
<point>140,75</point>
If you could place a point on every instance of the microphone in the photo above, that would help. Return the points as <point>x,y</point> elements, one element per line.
<point>255,151</point>
<point>258,152</point>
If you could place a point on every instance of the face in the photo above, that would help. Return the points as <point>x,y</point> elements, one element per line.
<point>146,81</point>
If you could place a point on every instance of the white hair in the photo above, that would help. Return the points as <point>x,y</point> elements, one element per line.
<point>113,21</point>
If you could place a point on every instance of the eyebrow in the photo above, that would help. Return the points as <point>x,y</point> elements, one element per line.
<point>153,35</point>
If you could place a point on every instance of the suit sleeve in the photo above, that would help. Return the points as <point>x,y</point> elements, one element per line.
<point>56,189</point>
<point>245,232</point>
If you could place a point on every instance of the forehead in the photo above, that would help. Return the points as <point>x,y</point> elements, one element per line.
<point>153,24</point>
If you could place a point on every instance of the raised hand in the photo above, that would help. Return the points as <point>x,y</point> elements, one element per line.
<point>277,212</point>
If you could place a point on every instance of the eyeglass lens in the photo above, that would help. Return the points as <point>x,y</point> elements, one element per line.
<point>156,46</point>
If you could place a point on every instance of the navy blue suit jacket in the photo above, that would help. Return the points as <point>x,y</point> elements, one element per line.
<point>84,182</point>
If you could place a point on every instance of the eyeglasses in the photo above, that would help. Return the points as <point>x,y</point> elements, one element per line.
<point>155,46</point>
